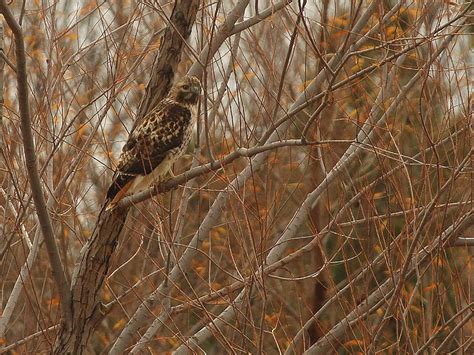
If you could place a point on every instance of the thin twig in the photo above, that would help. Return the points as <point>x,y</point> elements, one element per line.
<point>27,339</point>
<point>448,322</point>
<point>365,307</point>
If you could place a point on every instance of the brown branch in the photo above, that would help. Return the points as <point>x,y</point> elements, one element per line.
<point>92,267</point>
<point>463,242</point>
<point>414,244</point>
<point>367,70</point>
<point>223,32</point>
<point>32,167</point>
<point>171,46</point>
<point>26,339</point>
<point>216,165</point>
<point>437,333</point>
<point>456,328</point>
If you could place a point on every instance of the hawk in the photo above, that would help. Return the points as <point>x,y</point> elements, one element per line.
<point>156,141</point>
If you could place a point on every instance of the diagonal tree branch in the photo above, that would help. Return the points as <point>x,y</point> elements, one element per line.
<point>217,165</point>
<point>240,233</point>
<point>272,135</point>
<point>387,288</point>
<point>224,32</point>
<point>262,15</point>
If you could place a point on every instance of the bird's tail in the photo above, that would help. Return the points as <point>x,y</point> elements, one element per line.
<point>118,189</point>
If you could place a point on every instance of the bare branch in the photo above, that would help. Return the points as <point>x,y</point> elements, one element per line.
<point>388,287</point>
<point>221,35</point>
<point>448,322</point>
<point>262,15</point>
<point>31,165</point>
<point>464,242</point>
<point>217,165</point>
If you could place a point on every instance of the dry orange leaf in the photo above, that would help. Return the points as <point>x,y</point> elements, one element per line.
<point>354,342</point>
<point>119,324</point>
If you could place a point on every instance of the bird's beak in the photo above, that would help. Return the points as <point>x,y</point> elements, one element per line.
<point>196,90</point>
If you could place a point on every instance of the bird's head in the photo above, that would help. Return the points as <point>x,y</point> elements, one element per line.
<point>186,90</point>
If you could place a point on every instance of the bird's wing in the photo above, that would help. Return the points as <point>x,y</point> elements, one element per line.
<point>161,131</point>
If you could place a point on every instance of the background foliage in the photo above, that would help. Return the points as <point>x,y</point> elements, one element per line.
<point>350,235</point>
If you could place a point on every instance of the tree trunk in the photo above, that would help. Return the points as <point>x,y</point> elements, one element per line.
<point>87,281</point>
<point>92,268</point>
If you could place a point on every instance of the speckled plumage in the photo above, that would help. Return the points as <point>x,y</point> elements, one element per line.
<point>156,141</point>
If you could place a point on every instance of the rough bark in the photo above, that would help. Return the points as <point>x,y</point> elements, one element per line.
<point>87,282</point>
<point>171,47</point>
<point>93,264</point>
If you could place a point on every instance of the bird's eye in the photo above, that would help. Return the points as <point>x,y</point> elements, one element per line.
<point>185,87</point>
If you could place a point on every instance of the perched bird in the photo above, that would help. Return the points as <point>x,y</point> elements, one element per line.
<point>156,141</point>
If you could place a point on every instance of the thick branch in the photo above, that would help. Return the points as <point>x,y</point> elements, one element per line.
<point>32,167</point>
<point>141,315</point>
<point>171,46</point>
